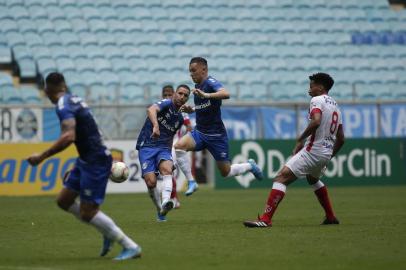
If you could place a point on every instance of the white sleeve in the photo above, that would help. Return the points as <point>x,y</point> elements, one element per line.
<point>315,103</point>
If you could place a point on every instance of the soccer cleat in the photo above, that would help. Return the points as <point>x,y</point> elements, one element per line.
<point>259,223</point>
<point>256,171</point>
<point>192,187</point>
<point>160,218</point>
<point>327,221</point>
<point>128,253</point>
<point>256,224</point>
<point>107,244</point>
<point>166,207</point>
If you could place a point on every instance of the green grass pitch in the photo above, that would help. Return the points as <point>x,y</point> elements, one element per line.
<point>207,232</point>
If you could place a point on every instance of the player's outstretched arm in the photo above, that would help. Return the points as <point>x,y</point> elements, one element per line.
<point>312,127</point>
<point>222,93</point>
<point>339,141</point>
<point>152,113</point>
<point>68,136</point>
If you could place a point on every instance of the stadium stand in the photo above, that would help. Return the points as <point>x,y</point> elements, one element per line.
<point>255,47</point>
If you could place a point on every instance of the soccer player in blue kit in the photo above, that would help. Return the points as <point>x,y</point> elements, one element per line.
<point>154,146</point>
<point>88,179</point>
<point>210,132</point>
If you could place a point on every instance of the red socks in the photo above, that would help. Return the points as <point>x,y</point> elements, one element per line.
<point>322,195</point>
<point>174,194</point>
<point>275,197</point>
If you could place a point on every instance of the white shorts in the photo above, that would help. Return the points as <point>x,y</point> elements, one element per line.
<point>306,163</point>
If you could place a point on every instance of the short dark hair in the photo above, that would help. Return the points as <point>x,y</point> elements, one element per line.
<point>183,86</point>
<point>169,87</point>
<point>323,79</point>
<point>198,60</point>
<point>55,78</point>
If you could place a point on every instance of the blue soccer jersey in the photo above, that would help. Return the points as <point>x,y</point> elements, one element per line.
<point>208,112</point>
<point>169,120</point>
<point>89,143</point>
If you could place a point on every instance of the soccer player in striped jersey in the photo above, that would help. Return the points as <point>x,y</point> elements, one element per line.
<point>325,137</point>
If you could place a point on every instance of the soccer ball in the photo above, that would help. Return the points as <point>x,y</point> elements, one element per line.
<point>119,172</point>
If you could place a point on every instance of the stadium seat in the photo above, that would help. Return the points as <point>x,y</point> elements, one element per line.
<point>131,95</point>
<point>5,55</point>
<point>27,68</point>
<point>12,96</point>
<point>30,95</point>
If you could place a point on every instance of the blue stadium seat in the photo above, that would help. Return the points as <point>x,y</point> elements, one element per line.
<point>21,52</point>
<point>69,38</point>
<point>5,80</point>
<point>12,96</point>
<point>76,51</point>
<point>101,64</point>
<point>260,91</point>
<point>19,12</point>
<point>93,51</point>
<point>65,65</point>
<point>30,95</point>
<point>5,55</point>
<point>72,12</point>
<point>67,3</point>
<point>27,68</point>
<point>97,25</point>
<point>15,39</point>
<point>79,25</point>
<point>46,66</point>
<point>26,26</point>
<point>83,64</point>
<point>51,39</point>
<point>279,92</point>
<point>120,64</point>
<point>59,52</point>
<point>398,91</point>
<point>342,91</point>
<point>62,26</point>
<point>33,39</point>
<point>131,95</point>
<point>9,25</point>
<point>55,13</point>
<point>40,52</point>
<point>131,52</point>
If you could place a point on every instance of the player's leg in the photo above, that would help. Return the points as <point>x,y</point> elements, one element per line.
<point>165,169</point>
<point>151,180</point>
<point>148,169</point>
<point>298,166</point>
<point>218,147</point>
<point>66,199</point>
<point>190,142</point>
<point>320,190</point>
<point>174,194</point>
<point>284,178</point>
<point>92,192</point>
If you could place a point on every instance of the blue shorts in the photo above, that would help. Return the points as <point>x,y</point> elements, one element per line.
<point>89,180</point>
<point>216,144</point>
<point>150,157</point>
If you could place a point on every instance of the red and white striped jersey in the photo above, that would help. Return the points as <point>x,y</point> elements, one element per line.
<point>322,141</point>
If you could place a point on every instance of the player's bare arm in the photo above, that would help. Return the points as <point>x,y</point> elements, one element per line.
<point>312,127</point>
<point>152,113</point>
<point>339,141</point>
<point>221,94</point>
<point>68,136</point>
